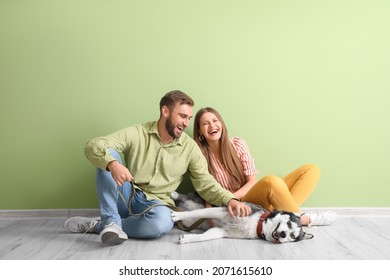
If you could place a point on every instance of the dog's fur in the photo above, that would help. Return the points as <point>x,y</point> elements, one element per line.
<point>276,226</point>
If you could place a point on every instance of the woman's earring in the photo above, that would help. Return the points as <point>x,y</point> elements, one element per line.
<point>201,138</point>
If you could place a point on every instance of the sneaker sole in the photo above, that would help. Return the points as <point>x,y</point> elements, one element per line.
<point>112,238</point>
<point>69,222</point>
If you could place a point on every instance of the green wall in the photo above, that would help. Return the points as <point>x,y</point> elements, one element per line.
<point>302,81</point>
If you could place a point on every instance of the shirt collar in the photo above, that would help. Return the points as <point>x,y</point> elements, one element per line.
<point>154,130</point>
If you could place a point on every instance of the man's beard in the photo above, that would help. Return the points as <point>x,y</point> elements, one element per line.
<point>170,126</point>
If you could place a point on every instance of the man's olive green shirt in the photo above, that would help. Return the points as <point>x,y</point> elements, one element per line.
<point>158,169</point>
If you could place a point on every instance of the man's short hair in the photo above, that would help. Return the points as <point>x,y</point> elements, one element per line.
<point>173,97</point>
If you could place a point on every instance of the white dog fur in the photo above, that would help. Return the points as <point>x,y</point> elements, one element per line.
<point>276,226</point>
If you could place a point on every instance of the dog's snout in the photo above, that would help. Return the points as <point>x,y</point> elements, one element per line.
<point>282,234</point>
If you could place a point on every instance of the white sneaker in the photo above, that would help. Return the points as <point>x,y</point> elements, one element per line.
<point>322,218</point>
<point>112,234</point>
<point>81,224</point>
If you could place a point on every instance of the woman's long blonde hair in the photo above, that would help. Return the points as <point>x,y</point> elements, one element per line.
<point>228,154</point>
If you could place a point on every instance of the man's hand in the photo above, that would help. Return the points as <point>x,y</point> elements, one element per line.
<point>119,173</point>
<point>238,209</point>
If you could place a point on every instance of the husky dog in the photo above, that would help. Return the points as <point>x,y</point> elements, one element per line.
<point>274,226</point>
<point>189,201</point>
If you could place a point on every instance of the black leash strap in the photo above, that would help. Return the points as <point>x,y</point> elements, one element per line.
<point>179,224</point>
<point>131,197</point>
<point>191,227</point>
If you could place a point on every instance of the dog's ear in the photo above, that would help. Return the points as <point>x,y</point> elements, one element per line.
<point>274,213</point>
<point>307,235</point>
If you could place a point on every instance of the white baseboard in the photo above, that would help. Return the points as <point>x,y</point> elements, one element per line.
<point>353,211</point>
<point>48,213</point>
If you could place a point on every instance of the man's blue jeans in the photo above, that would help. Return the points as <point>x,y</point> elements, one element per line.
<point>152,224</point>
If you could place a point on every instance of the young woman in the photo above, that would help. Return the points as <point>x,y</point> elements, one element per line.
<point>232,165</point>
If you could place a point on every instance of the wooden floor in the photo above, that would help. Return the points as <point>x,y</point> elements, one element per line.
<point>39,235</point>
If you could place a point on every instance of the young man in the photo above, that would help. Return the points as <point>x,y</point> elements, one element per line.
<point>134,197</point>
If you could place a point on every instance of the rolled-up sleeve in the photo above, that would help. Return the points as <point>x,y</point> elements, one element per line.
<point>248,162</point>
<point>96,150</point>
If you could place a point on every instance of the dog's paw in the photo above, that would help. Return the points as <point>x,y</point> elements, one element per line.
<point>185,238</point>
<point>181,239</point>
<point>175,216</point>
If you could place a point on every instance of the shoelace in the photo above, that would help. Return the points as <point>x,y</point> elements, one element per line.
<point>90,226</point>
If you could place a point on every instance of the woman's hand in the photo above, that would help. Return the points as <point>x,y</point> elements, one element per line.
<point>238,209</point>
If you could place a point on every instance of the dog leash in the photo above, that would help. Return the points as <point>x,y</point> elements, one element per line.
<point>127,203</point>
<point>180,224</point>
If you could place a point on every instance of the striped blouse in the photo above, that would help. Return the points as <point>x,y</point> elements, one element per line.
<point>248,163</point>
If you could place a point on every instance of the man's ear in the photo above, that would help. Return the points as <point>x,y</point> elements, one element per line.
<point>165,111</point>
